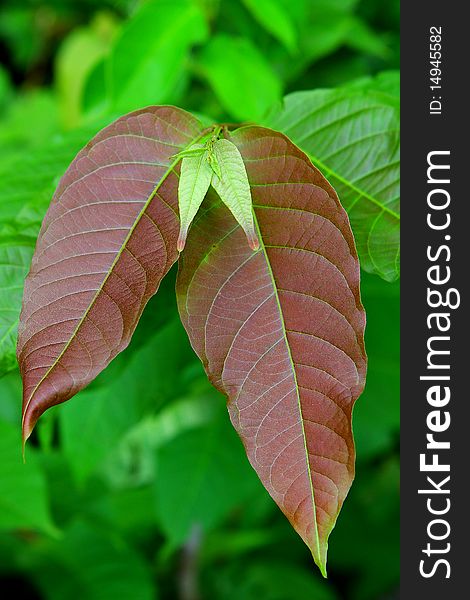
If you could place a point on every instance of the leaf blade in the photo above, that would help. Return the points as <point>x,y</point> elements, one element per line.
<point>225,55</point>
<point>15,254</point>
<point>295,421</point>
<point>24,500</point>
<point>352,136</point>
<point>86,289</point>
<point>206,489</point>
<point>233,188</point>
<point>195,179</point>
<point>148,57</point>
<point>26,185</point>
<point>275,18</point>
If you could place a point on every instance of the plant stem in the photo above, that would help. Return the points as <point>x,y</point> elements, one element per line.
<point>188,585</point>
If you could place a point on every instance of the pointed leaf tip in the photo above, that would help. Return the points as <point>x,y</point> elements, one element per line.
<point>291,356</point>
<point>27,425</point>
<point>181,239</point>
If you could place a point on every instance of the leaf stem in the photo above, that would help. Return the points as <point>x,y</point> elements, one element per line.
<point>188,580</point>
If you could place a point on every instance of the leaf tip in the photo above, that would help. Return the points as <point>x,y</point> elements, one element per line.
<point>181,239</point>
<point>319,556</point>
<point>322,566</point>
<point>27,428</point>
<point>253,240</point>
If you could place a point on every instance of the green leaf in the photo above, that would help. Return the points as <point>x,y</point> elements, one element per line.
<point>353,138</point>
<point>195,179</point>
<point>363,39</point>
<point>377,424</point>
<point>371,516</point>
<point>337,6</point>
<point>269,580</point>
<point>275,18</point>
<point>324,26</point>
<point>321,36</point>
<point>94,565</point>
<point>95,100</point>
<point>77,56</point>
<point>133,462</point>
<point>27,180</point>
<point>241,78</point>
<point>130,511</point>
<point>93,424</point>
<point>15,257</point>
<point>214,163</point>
<point>205,489</point>
<point>234,189</point>
<point>387,82</point>
<point>150,56</point>
<point>37,106</point>
<point>10,391</point>
<point>23,497</point>
<point>20,33</point>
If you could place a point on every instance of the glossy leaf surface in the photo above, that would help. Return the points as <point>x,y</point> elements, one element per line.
<point>107,240</point>
<point>280,330</point>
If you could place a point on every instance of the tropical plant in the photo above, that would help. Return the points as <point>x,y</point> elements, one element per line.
<point>141,474</point>
<point>277,322</point>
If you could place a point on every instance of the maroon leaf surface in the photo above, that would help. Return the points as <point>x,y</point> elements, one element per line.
<point>280,330</point>
<point>107,240</point>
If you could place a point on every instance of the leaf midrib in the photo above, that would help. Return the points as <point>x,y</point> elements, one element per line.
<point>322,165</point>
<point>195,184</point>
<point>316,161</point>
<point>284,332</point>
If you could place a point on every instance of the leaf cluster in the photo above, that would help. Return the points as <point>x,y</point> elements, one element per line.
<point>99,482</point>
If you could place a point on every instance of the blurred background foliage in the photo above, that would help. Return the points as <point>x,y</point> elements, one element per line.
<point>138,488</point>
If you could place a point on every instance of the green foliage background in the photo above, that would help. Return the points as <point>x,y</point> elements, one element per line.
<point>138,488</point>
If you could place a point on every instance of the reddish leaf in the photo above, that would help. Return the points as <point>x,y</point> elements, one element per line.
<point>280,330</point>
<point>107,240</point>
